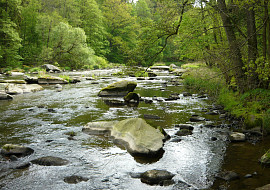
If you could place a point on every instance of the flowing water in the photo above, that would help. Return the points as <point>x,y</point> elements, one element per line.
<point>26,120</point>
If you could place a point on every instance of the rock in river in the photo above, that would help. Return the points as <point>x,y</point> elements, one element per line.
<point>50,161</point>
<point>16,150</point>
<point>138,137</point>
<point>5,96</point>
<point>237,137</point>
<point>156,177</point>
<point>265,159</point>
<point>74,179</point>
<point>50,67</point>
<point>121,88</point>
<point>99,127</point>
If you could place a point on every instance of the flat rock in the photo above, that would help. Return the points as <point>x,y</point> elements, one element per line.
<point>51,80</point>
<point>5,96</point>
<point>99,127</point>
<point>16,150</point>
<point>121,88</point>
<point>14,89</point>
<point>50,161</point>
<point>13,81</point>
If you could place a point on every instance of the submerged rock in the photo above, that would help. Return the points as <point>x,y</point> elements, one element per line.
<point>16,150</point>
<point>237,137</point>
<point>132,97</point>
<point>50,161</point>
<point>138,137</point>
<point>184,126</point>
<point>121,88</point>
<point>74,179</point>
<point>228,175</point>
<point>156,177</point>
<point>183,132</point>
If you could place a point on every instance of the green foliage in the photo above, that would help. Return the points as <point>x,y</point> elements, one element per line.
<point>266,121</point>
<point>66,77</point>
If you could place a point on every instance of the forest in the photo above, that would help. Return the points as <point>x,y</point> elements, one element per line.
<point>233,35</point>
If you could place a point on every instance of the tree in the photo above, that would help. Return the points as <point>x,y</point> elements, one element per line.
<point>10,42</point>
<point>121,29</point>
<point>68,47</point>
<point>92,22</point>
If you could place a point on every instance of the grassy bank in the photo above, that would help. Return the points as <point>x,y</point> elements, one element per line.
<point>252,106</point>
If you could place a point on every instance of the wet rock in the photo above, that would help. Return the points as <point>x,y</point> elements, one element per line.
<point>156,177</point>
<point>176,140</point>
<point>16,150</point>
<point>13,89</point>
<point>114,102</point>
<point>13,158</point>
<point>266,187</point>
<point>31,80</point>
<point>5,96</point>
<point>132,97</point>
<point>228,175</point>
<point>185,94</point>
<point>148,101</point>
<point>99,127</point>
<point>75,80</point>
<point>265,159</point>
<point>74,179</point>
<point>184,126</point>
<point>183,132</point>
<point>138,137</point>
<point>52,68</point>
<point>89,78</point>
<point>23,165</point>
<point>50,161</point>
<point>51,110</point>
<point>237,137</point>
<point>147,116</point>
<point>121,88</point>
<point>140,78</point>
<point>197,119</point>
<point>213,138</point>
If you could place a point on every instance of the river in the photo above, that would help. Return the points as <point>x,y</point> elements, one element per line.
<point>41,120</point>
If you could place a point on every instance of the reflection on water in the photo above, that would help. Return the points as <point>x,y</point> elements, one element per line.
<point>27,120</point>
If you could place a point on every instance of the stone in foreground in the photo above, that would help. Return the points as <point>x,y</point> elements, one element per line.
<point>16,150</point>
<point>156,177</point>
<point>121,88</point>
<point>138,137</point>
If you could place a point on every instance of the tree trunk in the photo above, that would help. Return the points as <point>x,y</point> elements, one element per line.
<point>252,46</point>
<point>251,35</point>
<point>265,28</point>
<point>235,53</point>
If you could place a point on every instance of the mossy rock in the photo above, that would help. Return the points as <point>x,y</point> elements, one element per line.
<point>132,96</point>
<point>138,137</point>
<point>252,121</point>
<point>265,159</point>
<point>121,88</point>
<point>16,150</point>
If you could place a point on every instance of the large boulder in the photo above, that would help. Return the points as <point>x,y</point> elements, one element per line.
<point>50,67</point>
<point>121,88</point>
<point>16,150</point>
<point>138,137</point>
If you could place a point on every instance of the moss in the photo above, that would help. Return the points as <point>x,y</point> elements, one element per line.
<point>132,96</point>
<point>121,85</point>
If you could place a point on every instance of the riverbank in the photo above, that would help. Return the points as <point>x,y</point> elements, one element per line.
<point>251,109</point>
